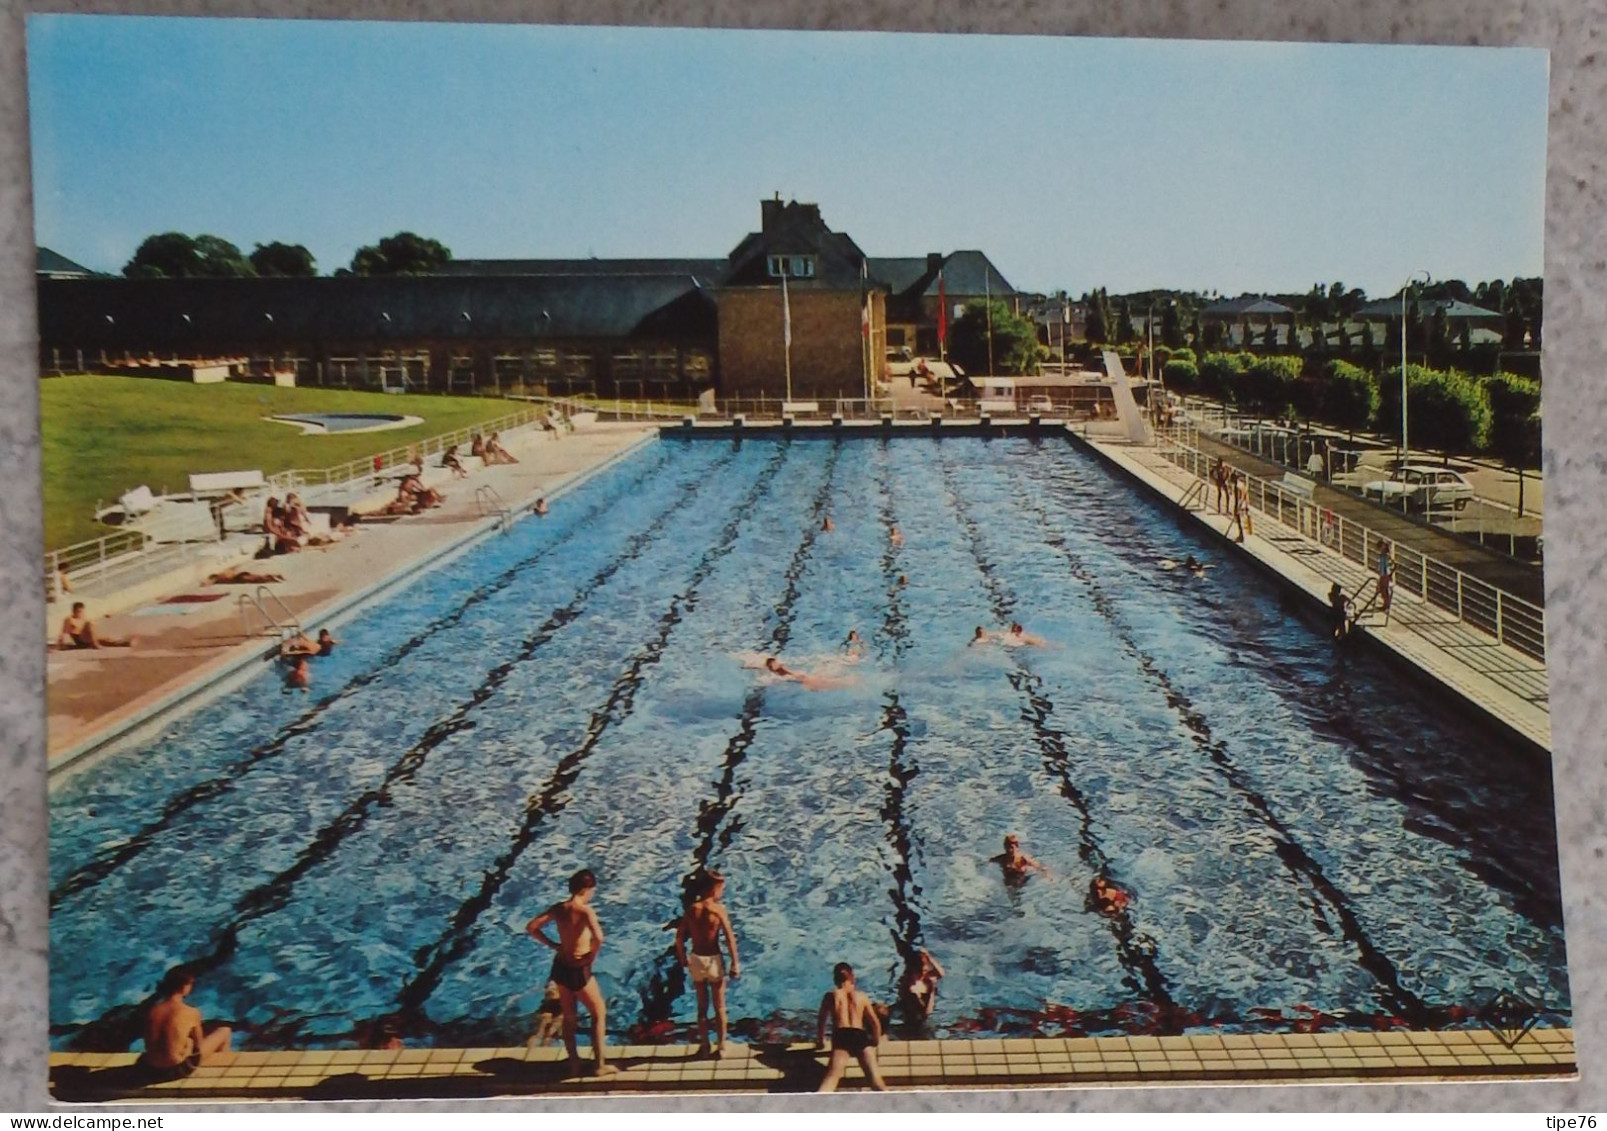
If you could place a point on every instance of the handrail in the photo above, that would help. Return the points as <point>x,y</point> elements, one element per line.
<point>1477,603</point>
<point>488,501</point>
<point>286,630</point>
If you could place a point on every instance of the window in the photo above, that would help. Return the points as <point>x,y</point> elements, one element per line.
<point>792,266</point>
<point>695,363</point>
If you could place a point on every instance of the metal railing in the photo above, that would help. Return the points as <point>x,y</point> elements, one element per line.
<point>286,629</point>
<point>488,501</point>
<point>1509,619</point>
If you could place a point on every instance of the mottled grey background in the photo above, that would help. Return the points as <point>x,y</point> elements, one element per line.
<point>1576,253</point>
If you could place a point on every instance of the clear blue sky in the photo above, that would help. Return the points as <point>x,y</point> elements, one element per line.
<point>1072,162</point>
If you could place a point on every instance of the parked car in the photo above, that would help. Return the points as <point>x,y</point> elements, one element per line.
<point>1423,488</point>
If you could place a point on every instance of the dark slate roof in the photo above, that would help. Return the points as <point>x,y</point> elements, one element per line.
<point>1245,305</point>
<point>797,229</point>
<point>964,273</point>
<point>709,272</point>
<point>188,315</point>
<point>898,274</point>
<point>1391,308</point>
<point>47,262</point>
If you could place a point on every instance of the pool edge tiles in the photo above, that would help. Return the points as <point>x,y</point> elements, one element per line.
<point>1417,1057</point>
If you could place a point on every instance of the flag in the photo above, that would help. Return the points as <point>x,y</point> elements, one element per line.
<point>942,313</point>
<point>786,315</point>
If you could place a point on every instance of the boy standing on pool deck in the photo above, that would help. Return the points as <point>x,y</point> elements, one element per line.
<point>855,1031</point>
<point>704,922</point>
<point>580,937</point>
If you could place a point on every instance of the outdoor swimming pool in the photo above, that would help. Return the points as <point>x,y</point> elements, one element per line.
<point>1301,834</point>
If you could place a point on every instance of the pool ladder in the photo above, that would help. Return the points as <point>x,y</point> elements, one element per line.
<point>490,503</point>
<point>1195,494</point>
<point>286,625</point>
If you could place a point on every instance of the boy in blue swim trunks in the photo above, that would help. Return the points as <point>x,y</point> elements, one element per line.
<point>580,937</point>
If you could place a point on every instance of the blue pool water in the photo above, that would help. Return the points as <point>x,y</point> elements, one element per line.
<point>1301,834</point>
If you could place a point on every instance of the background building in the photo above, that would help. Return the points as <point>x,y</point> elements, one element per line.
<point>671,328</point>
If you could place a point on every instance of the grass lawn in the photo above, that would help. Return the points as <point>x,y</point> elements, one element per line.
<point>105,435</point>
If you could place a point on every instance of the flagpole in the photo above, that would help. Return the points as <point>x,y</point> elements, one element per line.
<point>786,332</point>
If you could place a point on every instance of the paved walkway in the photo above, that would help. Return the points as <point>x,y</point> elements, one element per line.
<point>1503,572</point>
<point>1309,1058</point>
<point>1500,680</point>
<point>183,646</point>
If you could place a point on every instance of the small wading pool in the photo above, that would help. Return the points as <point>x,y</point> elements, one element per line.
<point>320,423</point>
<point>1307,844</point>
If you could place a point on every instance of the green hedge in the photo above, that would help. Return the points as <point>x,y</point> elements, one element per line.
<point>1181,375</point>
<point>1349,397</point>
<point>1449,411</point>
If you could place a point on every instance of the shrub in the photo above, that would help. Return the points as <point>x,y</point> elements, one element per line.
<point>1220,375</point>
<point>1181,374</point>
<point>1449,411</point>
<point>1514,408</point>
<point>1349,397</point>
<point>1269,384</point>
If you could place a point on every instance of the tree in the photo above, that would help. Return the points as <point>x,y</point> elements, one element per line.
<point>1515,423</point>
<point>1171,326</point>
<point>1449,411</point>
<point>1124,322</point>
<point>1349,397</point>
<point>174,255</point>
<point>284,260</point>
<point>1268,384</point>
<point>1015,347</point>
<point>1221,375</point>
<point>1098,330</point>
<point>401,254</point>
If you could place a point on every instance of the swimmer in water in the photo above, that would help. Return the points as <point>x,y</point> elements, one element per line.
<point>1019,635</point>
<point>982,636</point>
<point>1016,865</point>
<point>902,581</point>
<point>1106,898</point>
<point>541,507</point>
<point>299,677</point>
<point>804,679</point>
<point>827,526</point>
<point>853,645</point>
<point>895,537</point>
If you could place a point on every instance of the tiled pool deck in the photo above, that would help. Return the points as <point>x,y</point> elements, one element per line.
<point>1326,1058</point>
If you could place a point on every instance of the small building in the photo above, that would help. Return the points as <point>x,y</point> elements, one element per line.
<point>917,287</point>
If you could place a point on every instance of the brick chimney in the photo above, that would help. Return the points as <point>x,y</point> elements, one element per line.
<point>769,213</point>
<point>934,260</point>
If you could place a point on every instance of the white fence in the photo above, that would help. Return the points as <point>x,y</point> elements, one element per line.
<point>1509,619</point>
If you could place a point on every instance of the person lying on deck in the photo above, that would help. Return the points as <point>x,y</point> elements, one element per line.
<point>239,575</point>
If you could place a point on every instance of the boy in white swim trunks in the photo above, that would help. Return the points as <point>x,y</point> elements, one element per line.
<point>704,922</point>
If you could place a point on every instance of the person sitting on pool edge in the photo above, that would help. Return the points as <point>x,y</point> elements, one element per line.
<point>78,631</point>
<point>855,1030</point>
<point>1015,864</point>
<point>176,1041</point>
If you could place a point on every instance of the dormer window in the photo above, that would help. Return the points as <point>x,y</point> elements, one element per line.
<point>792,266</point>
